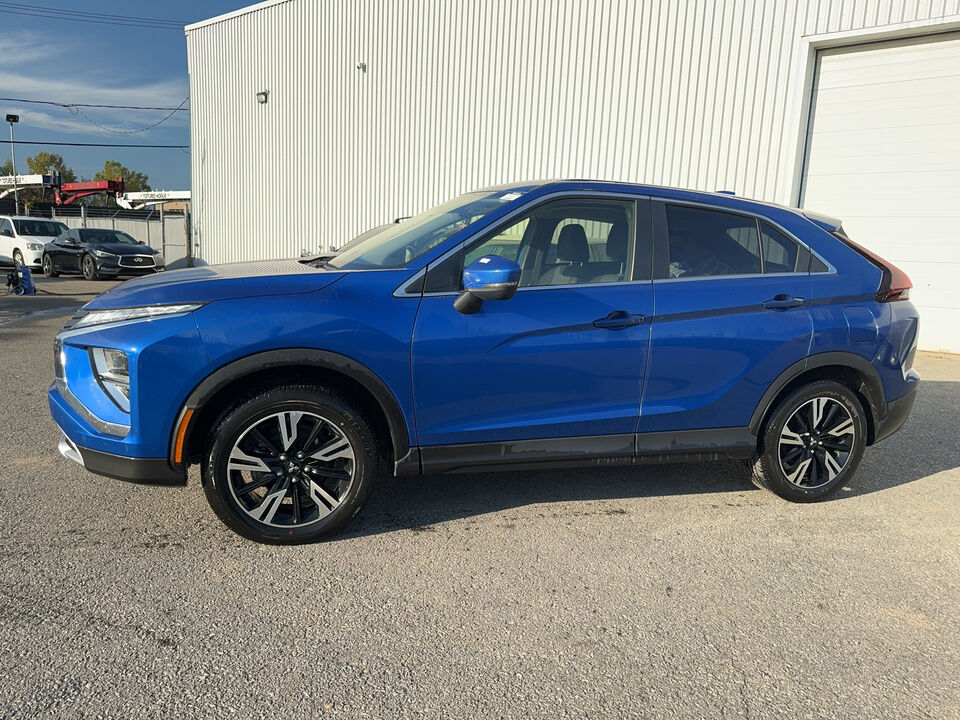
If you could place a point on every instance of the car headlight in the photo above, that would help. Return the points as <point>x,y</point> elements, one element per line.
<point>104,254</point>
<point>34,246</point>
<point>113,374</point>
<point>100,317</point>
<point>158,259</point>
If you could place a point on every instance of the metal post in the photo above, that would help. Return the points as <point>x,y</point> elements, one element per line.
<point>163,233</point>
<point>189,239</point>
<point>13,159</point>
<point>83,215</point>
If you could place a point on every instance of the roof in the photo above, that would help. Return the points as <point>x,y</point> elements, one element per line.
<point>235,13</point>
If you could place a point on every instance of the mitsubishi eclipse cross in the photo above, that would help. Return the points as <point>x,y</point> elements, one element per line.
<point>538,325</point>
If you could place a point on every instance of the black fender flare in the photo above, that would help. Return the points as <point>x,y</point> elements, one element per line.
<point>871,386</point>
<point>296,357</point>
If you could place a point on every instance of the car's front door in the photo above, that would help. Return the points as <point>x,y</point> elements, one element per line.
<point>731,292</point>
<point>563,358</point>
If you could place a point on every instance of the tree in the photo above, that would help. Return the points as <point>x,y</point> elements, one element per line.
<point>133,181</point>
<point>45,163</point>
<point>6,168</point>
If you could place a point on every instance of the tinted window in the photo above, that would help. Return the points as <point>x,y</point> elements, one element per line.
<point>41,228</point>
<point>5,225</point>
<point>779,252</point>
<point>98,236</point>
<point>709,242</point>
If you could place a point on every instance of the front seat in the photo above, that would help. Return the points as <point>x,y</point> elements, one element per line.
<point>617,246</point>
<point>572,254</point>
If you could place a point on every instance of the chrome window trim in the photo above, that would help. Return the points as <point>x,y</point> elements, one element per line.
<point>756,216</point>
<point>559,194</point>
<point>733,277</point>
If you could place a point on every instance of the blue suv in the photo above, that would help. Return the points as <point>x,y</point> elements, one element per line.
<point>548,324</point>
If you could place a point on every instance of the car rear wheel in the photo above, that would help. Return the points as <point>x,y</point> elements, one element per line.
<point>290,465</point>
<point>48,270</point>
<point>812,442</point>
<point>89,268</point>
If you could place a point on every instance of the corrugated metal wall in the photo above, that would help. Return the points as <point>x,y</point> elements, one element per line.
<point>459,94</point>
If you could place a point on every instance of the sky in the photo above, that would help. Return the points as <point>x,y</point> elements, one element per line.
<point>71,61</point>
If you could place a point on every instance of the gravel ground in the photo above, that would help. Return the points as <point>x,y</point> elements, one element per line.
<point>674,591</point>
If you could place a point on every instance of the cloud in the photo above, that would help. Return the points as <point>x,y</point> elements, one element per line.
<point>31,67</point>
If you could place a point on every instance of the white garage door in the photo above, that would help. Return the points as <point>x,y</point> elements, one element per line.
<point>883,154</point>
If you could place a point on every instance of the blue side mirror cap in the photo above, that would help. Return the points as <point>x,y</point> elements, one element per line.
<point>488,278</point>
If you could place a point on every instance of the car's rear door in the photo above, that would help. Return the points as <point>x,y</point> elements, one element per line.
<point>731,292</point>
<point>563,358</point>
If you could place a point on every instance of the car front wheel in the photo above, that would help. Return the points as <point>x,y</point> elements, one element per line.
<point>812,442</point>
<point>291,464</point>
<point>48,269</point>
<point>89,267</point>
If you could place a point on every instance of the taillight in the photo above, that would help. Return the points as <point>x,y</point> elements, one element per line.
<point>894,285</point>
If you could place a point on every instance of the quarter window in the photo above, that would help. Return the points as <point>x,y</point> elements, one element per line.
<point>709,242</point>
<point>779,252</point>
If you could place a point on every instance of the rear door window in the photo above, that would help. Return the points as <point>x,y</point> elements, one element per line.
<point>704,243</point>
<point>780,253</point>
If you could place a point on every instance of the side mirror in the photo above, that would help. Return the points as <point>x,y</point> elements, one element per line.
<point>489,278</point>
<point>6,233</point>
<point>140,242</point>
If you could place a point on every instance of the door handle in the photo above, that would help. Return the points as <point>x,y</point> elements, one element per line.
<point>782,302</point>
<point>619,319</point>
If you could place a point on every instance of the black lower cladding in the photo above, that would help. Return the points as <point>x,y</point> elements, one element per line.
<point>155,471</point>
<point>897,413</point>
<point>595,450</point>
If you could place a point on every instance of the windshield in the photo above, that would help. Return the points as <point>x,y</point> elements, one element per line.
<point>39,228</point>
<point>397,245</point>
<point>104,237</point>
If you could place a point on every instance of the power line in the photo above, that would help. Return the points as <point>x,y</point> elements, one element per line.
<point>97,18</point>
<point>131,132</point>
<point>113,145</point>
<point>92,105</point>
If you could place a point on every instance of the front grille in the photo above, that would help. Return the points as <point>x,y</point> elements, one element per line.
<point>137,261</point>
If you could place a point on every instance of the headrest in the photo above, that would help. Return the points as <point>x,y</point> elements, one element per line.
<point>617,242</point>
<point>572,244</point>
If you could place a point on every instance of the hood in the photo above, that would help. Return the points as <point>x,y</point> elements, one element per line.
<point>217,282</point>
<point>124,249</point>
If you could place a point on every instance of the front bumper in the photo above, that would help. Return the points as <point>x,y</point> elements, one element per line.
<point>143,470</point>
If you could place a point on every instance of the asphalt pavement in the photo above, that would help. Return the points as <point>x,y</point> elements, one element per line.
<point>674,591</point>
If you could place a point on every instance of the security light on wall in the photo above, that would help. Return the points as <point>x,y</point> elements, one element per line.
<point>262,96</point>
<point>13,118</point>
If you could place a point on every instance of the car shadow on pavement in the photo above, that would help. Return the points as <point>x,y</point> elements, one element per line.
<point>926,445</point>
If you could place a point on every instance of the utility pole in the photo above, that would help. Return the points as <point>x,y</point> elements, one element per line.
<point>13,158</point>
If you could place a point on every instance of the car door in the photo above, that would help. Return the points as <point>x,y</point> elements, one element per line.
<point>731,293</point>
<point>7,240</point>
<point>563,358</point>
<point>70,251</point>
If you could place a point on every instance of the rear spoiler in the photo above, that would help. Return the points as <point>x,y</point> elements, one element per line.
<point>828,223</point>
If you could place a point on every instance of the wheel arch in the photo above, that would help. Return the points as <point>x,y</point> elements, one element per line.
<point>853,371</point>
<point>213,395</point>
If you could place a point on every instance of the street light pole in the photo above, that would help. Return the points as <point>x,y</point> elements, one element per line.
<point>13,158</point>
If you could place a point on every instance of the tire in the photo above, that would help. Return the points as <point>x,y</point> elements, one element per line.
<point>812,442</point>
<point>48,269</point>
<point>89,267</point>
<point>18,258</point>
<point>261,475</point>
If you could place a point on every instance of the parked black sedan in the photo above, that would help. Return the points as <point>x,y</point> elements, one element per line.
<point>98,252</point>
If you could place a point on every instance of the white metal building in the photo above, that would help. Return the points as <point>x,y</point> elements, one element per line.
<point>377,109</point>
